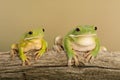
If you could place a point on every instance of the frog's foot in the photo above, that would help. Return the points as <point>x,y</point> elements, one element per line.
<point>47,50</point>
<point>69,62</point>
<point>13,53</point>
<point>37,55</point>
<point>76,60</point>
<point>57,48</point>
<point>88,56</point>
<point>26,61</point>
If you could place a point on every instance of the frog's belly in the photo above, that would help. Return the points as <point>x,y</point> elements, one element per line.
<point>86,41</point>
<point>78,47</point>
<point>84,44</point>
<point>32,46</point>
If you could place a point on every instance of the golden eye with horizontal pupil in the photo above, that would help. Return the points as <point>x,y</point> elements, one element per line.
<point>43,30</point>
<point>77,29</point>
<point>30,32</point>
<point>95,28</point>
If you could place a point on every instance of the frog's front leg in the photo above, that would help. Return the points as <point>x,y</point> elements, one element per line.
<point>70,53</point>
<point>25,59</point>
<point>42,50</point>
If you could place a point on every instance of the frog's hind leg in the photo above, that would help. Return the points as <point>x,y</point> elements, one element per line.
<point>88,56</point>
<point>58,47</point>
<point>14,51</point>
<point>76,60</point>
<point>36,55</point>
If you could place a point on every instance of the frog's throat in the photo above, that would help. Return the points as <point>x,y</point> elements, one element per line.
<point>88,35</point>
<point>37,37</point>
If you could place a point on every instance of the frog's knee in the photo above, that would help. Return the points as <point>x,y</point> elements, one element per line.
<point>14,46</point>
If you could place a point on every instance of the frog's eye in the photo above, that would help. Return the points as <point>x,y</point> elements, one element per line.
<point>43,30</point>
<point>30,32</point>
<point>77,29</point>
<point>95,28</point>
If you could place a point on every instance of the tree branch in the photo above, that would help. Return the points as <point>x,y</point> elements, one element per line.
<point>53,66</point>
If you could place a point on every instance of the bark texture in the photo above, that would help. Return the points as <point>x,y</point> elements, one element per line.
<point>53,66</point>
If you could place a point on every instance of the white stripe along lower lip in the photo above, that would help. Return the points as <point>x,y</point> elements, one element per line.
<point>82,35</point>
<point>31,38</point>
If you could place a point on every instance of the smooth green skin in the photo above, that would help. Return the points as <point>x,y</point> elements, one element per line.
<point>84,30</point>
<point>27,38</point>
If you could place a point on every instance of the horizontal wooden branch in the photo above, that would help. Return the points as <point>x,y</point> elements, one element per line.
<point>53,66</point>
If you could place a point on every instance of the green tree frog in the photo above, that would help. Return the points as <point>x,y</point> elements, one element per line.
<point>32,40</point>
<point>82,39</point>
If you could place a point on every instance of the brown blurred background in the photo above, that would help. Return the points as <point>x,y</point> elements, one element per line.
<point>58,17</point>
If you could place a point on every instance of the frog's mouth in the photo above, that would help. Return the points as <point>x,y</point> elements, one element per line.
<point>37,37</point>
<point>87,35</point>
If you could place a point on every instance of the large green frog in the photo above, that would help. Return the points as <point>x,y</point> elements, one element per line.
<point>81,39</point>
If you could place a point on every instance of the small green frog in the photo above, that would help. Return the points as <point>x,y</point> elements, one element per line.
<point>32,40</point>
<point>81,39</point>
